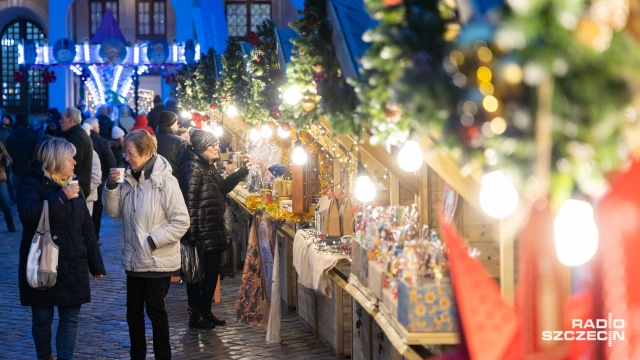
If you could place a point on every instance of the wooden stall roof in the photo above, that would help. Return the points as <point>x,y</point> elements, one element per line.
<point>284,46</point>
<point>349,20</point>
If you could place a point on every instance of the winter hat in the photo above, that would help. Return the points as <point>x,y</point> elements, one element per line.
<point>201,140</point>
<point>166,119</point>
<point>87,128</point>
<point>117,133</point>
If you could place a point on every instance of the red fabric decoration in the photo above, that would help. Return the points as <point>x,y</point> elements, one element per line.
<point>254,40</point>
<point>170,79</point>
<point>48,77</point>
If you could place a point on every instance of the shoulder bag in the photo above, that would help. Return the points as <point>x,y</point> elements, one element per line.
<point>42,261</point>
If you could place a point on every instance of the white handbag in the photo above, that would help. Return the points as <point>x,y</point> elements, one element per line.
<point>42,261</point>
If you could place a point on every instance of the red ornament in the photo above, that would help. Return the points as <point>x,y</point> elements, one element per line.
<point>170,79</point>
<point>319,76</point>
<point>18,76</point>
<point>254,40</point>
<point>275,112</point>
<point>286,127</point>
<point>391,2</point>
<point>213,106</point>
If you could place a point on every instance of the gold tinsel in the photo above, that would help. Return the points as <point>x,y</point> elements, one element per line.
<point>273,211</point>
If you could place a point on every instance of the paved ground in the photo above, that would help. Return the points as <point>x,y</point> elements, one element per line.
<point>103,332</point>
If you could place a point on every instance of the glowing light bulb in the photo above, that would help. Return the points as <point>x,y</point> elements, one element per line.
<point>299,156</point>
<point>576,233</point>
<point>232,111</point>
<point>293,95</point>
<point>283,133</point>
<point>185,114</point>
<point>410,156</point>
<point>217,130</point>
<point>254,134</point>
<point>498,197</point>
<point>365,189</point>
<point>266,131</point>
<point>207,127</point>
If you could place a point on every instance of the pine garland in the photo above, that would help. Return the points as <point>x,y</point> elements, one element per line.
<point>265,76</point>
<point>315,69</point>
<point>404,86</point>
<point>233,82</point>
<point>196,84</point>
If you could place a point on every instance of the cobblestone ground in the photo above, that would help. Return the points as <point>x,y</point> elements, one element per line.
<point>103,332</point>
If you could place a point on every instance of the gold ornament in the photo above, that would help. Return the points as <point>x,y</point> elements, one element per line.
<point>593,34</point>
<point>308,104</point>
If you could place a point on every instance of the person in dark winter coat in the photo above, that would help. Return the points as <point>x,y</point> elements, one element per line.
<point>5,128</point>
<point>169,144</point>
<point>72,231</point>
<point>107,161</point>
<point>105,122</point>
<point>154,114</point>
<point>72,131</point>
<point>50,131</point>
<point>20,145</point>
<point>204,193</point>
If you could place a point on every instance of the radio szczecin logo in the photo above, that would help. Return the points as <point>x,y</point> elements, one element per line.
<point>608,330</point>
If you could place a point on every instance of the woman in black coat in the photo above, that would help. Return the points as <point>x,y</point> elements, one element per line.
<point>72,230</point>
<point>204,189</point>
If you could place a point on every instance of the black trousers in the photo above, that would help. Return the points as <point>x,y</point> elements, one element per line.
<point>96,217</point>
<point>151,293</point>
<point>202,294</point>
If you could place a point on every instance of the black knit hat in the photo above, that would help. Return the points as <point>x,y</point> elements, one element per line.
<point>201,140</point>
<point>166,119</point>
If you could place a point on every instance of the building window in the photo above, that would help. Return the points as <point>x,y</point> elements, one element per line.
<point>14,93</point>
<point>97,9</point>
<point>151,19</point>
<point>245,16</point>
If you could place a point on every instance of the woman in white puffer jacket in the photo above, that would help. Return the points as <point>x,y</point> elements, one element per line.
<point>155,218</point>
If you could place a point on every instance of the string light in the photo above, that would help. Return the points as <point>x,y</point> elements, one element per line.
<point>254,134</point>
<point>266,131</point>
<point>136,53</point>
<point>185,114</point>
<point>365,190</point>
<point>292,95</point>
<point>116,78</point>
<point>410,156</point>
<point>197,57</point>
<point>232,111</point>
<point>498,197</point>
<point>45,53</point>
<point>299,156</point>
<point>21,53</point>
<point>576,233</point>
<point>217,130</point>
<point>283,133</point>
<point>87,54</point>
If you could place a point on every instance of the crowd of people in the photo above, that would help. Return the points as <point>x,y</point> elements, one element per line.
<point>171,192</point>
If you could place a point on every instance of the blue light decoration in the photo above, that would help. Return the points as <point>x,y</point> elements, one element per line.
<point>108,66</point>
<point>64,52</point>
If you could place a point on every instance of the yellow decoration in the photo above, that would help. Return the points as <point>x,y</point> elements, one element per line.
<point>273,211</point>
<point>308,104</point>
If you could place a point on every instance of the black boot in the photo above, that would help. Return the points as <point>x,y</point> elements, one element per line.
<point>12,228</point>
<point>198,320</point>
<point>212,318</point>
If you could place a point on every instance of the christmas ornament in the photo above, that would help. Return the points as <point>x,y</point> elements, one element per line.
<point>275,112</point>
<point>308,104</point>
<point>18,76</point>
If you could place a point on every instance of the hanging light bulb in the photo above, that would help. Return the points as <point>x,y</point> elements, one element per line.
<point>217,130</point>
<point>207,127</point>
<point>254,134</point>
<point>292,95</point>
<point>232,111</point>
<point>185,114</point>
<point>410,156</point>
<point>365,190</point>
<point>299,156</point>
<point>283,133</point>
<point>498,197</point>
<point>266,131</point>
<point>576,233</point>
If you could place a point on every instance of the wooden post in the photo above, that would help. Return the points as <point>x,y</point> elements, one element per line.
<point>297,185</point>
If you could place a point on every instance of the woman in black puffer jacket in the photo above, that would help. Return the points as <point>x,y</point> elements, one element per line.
<point>204,190</point>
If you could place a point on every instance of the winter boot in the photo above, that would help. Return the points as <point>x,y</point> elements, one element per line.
<point>212,318</point>
<point>197,319</point>
<point>12,228</point>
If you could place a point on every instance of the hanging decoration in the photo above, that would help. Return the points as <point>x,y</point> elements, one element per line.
<point>196,84</point>
<point>403,85</point>
<point>233,82</point>
<point>18,76</point>
<point>170,79</point>
<point>48,77</point>
<point>265,77</point>
<point>314,74</point>
<point>271,207</point>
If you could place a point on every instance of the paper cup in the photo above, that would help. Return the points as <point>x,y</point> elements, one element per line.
<point>121,178</point>
<point>72,182</point>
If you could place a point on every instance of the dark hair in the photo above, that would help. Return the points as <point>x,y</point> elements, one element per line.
<point>22,119</point>
<point>50,129</point>
<point>6,115</point>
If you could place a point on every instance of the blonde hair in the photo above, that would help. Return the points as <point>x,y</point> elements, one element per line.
<point>54,154</point>
<point>143,141</point>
